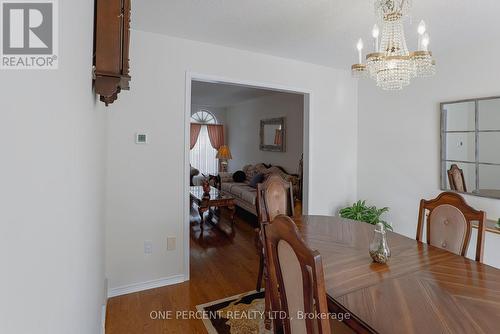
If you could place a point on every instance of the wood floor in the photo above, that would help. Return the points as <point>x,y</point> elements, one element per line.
<point>220,267</point>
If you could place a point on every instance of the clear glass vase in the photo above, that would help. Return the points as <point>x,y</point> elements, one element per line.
<point>379,249</point>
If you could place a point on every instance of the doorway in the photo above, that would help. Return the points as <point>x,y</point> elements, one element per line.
<point>211,101</point>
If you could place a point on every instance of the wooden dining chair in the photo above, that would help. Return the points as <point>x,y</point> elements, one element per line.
<point>449,224</point>
<point>299,274</point>
<point>456,179</point>
<point>274,197</point>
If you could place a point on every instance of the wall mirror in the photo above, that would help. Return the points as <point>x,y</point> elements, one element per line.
<point>470,146</point>
<point>273,134</point>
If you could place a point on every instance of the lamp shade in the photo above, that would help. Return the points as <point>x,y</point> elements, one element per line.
<point>224,153</point>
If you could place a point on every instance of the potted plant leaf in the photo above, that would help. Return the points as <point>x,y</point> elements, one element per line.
<point>369,214</point>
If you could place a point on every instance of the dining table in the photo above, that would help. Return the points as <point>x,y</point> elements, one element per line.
<point>421,289</point>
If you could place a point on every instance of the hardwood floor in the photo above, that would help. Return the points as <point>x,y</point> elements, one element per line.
<point>220,267</point>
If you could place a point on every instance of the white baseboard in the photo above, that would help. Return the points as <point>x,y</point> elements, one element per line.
<point>103,319</point>
<point>135,287</point>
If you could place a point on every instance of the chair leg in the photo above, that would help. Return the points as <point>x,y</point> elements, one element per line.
<point>261,272</point>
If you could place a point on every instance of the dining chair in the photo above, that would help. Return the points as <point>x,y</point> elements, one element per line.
<point>449,224</point>
<point>274,197</point>
<point>299,274</point>
<point>456,179</point>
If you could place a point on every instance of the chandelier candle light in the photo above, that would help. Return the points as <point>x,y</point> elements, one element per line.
<point>391,65</point>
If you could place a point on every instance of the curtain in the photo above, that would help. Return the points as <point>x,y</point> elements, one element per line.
<point>195,132</point>
<point>203,155</point>
<point>216,135</point>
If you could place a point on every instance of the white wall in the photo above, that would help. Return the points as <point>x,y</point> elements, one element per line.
<point>51,193</point>
<point>243,127</point>
<point>145,195</point>
<point>399,139</point>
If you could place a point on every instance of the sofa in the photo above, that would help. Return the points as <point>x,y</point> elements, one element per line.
<point>244,194</point>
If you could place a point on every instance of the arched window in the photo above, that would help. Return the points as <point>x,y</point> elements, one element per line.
<point>203,155</point>
<point>203,117</point>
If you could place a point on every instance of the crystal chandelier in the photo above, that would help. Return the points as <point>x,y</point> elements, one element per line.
<point>392,66</point>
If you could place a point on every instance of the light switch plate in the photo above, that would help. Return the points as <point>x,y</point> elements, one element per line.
<point>171,243</point>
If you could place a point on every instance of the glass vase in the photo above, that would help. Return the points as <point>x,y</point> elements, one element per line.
<point>379,249</point>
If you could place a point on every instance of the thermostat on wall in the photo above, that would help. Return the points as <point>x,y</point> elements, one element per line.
<point>141,138</point>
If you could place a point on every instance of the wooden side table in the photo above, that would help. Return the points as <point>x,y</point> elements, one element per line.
<point>212,202</point>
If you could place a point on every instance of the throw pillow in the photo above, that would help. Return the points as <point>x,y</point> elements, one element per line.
<point>258,178</point>
<point>250,172</point>
<point>239,176</point>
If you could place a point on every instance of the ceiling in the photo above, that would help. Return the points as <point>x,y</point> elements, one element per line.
<point>317,31</point>
<point>223,95</point>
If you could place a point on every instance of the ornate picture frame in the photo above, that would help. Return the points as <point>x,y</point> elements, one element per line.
<point>280,138</point>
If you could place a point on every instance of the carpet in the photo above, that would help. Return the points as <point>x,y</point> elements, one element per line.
<point>240,314</point>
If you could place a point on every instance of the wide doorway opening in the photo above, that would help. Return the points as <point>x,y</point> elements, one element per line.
<point>238,133</point>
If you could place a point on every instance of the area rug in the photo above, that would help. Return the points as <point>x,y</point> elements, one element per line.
<point>240,314</point>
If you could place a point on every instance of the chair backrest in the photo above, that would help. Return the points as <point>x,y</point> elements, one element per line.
<point>299,275</point>
<point>456,179</point>
<point>449,224</point>
<point>274,197</point>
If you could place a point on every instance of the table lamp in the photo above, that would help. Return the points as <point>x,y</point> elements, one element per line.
<point>224,154</point>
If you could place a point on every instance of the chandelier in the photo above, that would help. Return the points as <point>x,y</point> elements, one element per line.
<point>391,65</point>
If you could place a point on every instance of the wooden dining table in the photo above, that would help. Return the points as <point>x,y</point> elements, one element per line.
<point>422,289</point>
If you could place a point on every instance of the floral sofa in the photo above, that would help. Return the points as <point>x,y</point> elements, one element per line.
<point>244,194</point>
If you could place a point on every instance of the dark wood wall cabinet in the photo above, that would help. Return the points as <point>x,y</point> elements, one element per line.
<point>111,48</point>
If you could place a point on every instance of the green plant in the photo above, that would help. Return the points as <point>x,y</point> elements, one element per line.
<point>369,214</point>
<point>498,223</point>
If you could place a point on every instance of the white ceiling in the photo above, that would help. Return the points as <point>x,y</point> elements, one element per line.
<point>317,31</point>
<point>223,95</point>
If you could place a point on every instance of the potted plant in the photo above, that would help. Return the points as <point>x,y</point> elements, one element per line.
<point>369,214</point>
<point>497,225</point>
